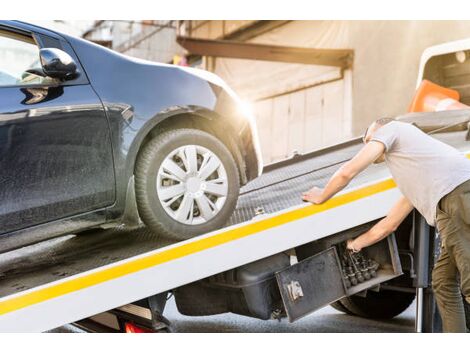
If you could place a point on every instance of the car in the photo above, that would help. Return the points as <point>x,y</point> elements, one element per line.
<point>90,138</point>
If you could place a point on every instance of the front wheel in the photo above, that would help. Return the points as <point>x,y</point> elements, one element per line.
<point>186,183</point>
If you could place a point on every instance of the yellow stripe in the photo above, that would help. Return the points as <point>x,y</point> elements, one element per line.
<point>94,278</point>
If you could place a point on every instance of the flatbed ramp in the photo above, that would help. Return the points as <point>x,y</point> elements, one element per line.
<point>74,277</point>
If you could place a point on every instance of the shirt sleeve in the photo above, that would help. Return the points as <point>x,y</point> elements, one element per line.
<point>387,135</point>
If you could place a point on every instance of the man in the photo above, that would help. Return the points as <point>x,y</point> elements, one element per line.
<point>434,178</point>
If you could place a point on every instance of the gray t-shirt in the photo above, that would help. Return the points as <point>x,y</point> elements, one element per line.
<point>423,168</point>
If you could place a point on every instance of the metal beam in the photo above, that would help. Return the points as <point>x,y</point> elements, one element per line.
<point>239,50</point>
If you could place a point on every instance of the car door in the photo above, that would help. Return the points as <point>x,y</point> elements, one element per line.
<point>55,149</point>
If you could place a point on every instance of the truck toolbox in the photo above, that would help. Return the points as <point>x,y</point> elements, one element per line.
<point>323,278</point>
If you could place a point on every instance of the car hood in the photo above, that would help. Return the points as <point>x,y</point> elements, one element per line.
<point>199,73</point>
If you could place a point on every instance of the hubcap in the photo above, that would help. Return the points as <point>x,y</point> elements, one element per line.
<point>192,184</point>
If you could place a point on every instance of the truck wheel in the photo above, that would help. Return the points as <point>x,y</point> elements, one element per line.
<point>378,305</point>
<point>186,183</point>
<point>340,307</point>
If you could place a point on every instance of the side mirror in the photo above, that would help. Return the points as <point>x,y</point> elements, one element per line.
<point>57,64</point>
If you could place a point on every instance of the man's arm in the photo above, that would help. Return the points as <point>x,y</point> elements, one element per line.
<point>384,227</point>
<point>341,178</point>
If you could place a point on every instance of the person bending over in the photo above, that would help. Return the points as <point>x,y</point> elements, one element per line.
<point>434,178</point>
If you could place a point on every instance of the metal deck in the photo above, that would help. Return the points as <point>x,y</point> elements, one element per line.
<point>69,255</point>
<point>281,187</point>
<point>277,191</point>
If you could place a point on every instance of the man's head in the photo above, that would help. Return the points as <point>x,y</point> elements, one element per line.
<point>374,126</point>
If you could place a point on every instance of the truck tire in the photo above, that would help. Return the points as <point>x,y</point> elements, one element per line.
<point>378,305</point>
<point>340,307</point>
<point>186,183</point>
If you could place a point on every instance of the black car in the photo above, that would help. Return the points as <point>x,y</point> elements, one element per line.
<point>91,138</point>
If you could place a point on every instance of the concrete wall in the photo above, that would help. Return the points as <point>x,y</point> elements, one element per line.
<point>386,60</point>
<point>150,40</point>
<point>212,29</point>
<point>147,41</point>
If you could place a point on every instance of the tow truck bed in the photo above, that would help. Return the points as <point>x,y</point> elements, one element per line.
<point>72,277</point>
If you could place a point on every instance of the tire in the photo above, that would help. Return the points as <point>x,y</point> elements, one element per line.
<point>172,146</point>
<point>340,307</point>
<point>378,305</point>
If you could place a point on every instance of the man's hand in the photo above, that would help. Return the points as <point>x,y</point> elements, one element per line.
<point>351,246</point>
<point>366,156</point>
<point>315,196</point>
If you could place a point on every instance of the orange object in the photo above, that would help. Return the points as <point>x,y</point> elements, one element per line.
<point>431,97</point>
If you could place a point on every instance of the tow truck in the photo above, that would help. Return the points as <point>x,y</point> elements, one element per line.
<point>276,258</point>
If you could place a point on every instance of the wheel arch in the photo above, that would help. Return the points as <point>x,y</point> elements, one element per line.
<point>202,119</point>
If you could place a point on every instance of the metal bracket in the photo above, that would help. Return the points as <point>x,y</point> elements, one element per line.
<point>427,315</point>
<point>295,291</point>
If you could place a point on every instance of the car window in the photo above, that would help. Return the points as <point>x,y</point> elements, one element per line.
<point>19,61</point>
